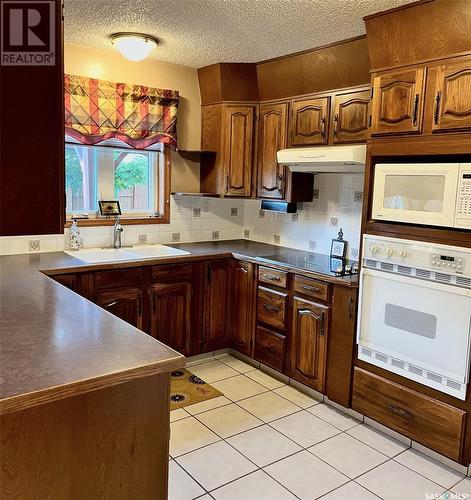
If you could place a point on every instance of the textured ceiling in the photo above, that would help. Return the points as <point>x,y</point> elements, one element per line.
<point>201,32</point>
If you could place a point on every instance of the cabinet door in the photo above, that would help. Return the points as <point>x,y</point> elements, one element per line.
<point>309,343</point>
<point>398,102</point>
<point>170,315</point>
<point>242,323</point>
<point>350,120</point>
<point>309,121</point>
<point>216,305</point>
<point>273,131</point>
<point>237,151</point>
<point>126,304</point>
<point>69,280</point>
<point>452,109</point>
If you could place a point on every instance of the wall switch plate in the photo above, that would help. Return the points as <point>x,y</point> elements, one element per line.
<point>142,239</point>
<point>215,235</point>
<point>312,245</point>
<point>358,196</point>
<point>175,237</point>
<point>246,233</point>
<point>276,239</point>
<point>234,212</point>
<point>197,212</point>
<point>34,245</point>
<point>334,222</point>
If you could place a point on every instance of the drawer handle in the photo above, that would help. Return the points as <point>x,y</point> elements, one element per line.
<point>110,304</point>
<point>270,349</point>
<point>271,308</point>
<point>271,277</point>
<point>436,115</point>
<point>322,326</point>
<point>416,107</point>
<point>400,412</point>
<point>311,288</point>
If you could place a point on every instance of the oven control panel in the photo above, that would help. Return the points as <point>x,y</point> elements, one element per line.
<point>416,254</point>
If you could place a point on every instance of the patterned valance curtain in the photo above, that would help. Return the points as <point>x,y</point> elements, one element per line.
<point>96,110</point>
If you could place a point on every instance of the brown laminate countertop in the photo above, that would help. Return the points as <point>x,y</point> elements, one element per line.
<point>55,343</point>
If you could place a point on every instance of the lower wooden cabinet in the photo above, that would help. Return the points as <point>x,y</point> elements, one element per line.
<point>309,336</point>
<point>242,319</point>
<point>216,315</point>
<point>428,421</point>
<point>71,281</point>
<point>270,348</point>
<point>125,303</point>
<point>170,314</point>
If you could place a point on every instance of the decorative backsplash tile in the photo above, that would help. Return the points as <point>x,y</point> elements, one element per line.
<point>261,214</point>
<point>215,235</point>
<point>315,194</point>
<point>334,222</point>
<point>276,239</point>
<point>354,252</point>
<point>197,212</point>
<point>312,245</point>
<point>294,217</point>
<point>234,212</point>
<point>175,237</point>
<point>246,233</point>
<point>358,196</point>
<point>142,239</point>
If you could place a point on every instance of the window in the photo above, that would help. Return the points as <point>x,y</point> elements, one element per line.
<point>107,173</point>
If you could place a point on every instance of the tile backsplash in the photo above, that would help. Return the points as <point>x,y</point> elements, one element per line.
<point>203,219</point>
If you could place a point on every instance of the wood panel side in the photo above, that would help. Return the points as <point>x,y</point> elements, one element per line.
<point>109,444</point>
<point>345,64</point>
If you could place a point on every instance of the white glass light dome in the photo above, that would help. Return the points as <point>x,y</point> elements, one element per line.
<point>134,46</point>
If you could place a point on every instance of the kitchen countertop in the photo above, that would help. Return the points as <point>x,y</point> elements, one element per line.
<point>55,343</point>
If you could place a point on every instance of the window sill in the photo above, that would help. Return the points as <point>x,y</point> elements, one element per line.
<point>125,221</point>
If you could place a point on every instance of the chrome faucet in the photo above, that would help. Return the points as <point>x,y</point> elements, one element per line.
<point>117,231</point>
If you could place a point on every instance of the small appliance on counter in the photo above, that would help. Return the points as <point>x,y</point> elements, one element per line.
<point>415,311</point>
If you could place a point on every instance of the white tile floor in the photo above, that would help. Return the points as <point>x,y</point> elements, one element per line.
<point>265,440</point>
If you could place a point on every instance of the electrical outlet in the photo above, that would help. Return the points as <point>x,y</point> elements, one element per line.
<point>246,233</point>
<point>315,195</point>
<point>276,239</point>
<point>358,196</point>
<point>334,222</point>
<point>234,212</point>
<point>294,217</point>
<point>312,245</point>
<point>175,237</point>
<point>215,235</point>
<point>142,239</point>
<point>197,212</point>
<point>261,214</point>
<point>34,245</point>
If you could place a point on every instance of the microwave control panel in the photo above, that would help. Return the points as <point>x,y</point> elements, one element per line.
<point>463,202</point>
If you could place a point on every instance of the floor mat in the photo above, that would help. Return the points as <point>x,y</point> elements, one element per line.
<point>188,389</point>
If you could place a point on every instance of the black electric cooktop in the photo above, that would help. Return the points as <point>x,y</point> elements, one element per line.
<point>315,262</point>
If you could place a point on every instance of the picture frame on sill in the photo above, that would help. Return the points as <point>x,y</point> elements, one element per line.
<point>109,208</point>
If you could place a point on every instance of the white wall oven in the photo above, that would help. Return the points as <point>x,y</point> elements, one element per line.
<point>415,311</point>
<point>434,194</point>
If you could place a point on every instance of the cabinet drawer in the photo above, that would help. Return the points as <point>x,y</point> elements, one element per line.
<point>172,272</point>
<point>272,276</point>
<point>271,307</point>
<point>269,348</point>
<point>311,287</point>
<point>426,420</point>
<point>117,278</point>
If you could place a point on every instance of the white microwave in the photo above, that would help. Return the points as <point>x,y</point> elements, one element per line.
<point>433,194</point>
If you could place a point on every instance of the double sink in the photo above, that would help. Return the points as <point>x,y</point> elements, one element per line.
<point>98,255</point>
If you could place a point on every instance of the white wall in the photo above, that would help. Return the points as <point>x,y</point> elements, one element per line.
<point>203,219</point>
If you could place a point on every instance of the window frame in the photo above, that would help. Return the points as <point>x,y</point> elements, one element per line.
<point>162,191</point>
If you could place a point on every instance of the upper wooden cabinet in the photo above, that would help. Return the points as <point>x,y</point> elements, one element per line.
<point>125,303</point>
<point>242,323</point>
<point>398,102</point>
<point>229,131</point>
<point>452,106</point>
<point>309,343</point>
<point>238,127</point>
<point>350,117</point>
<point>309,121</point>
<point>273,128</point>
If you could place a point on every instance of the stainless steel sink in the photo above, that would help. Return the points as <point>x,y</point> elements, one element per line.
<point>97,255</point>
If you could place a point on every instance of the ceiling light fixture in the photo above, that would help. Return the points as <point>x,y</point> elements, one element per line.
<point>134,46</point>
